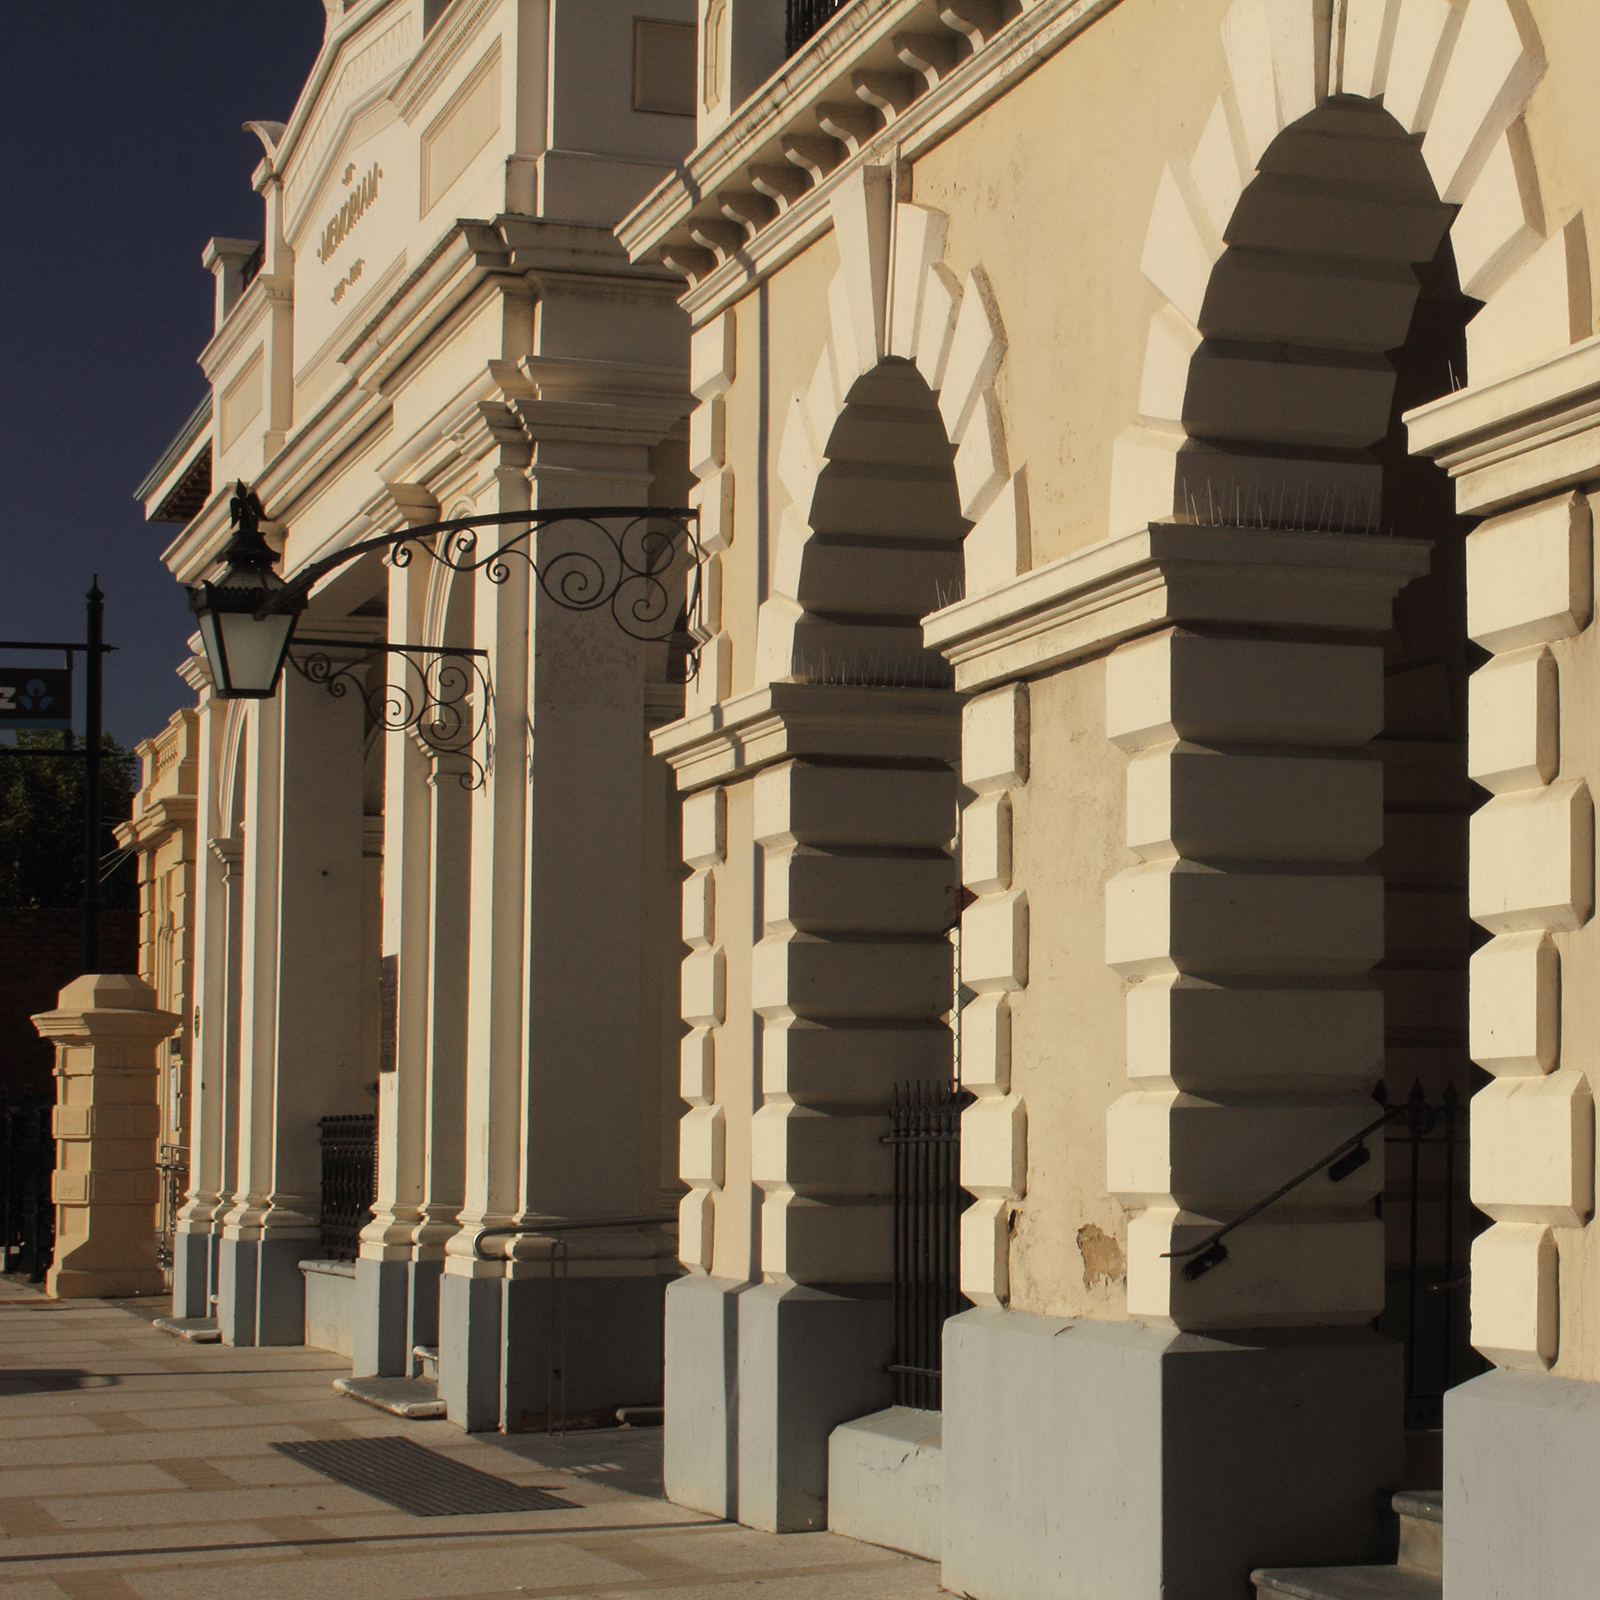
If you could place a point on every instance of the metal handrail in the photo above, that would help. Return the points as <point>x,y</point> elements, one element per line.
<point>560,1225</point>
<point>1211,1252</point>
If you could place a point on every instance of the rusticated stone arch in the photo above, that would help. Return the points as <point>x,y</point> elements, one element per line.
<point>896,449</point>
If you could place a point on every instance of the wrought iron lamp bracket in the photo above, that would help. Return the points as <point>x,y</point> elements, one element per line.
<point>616,558</point>
<point>444,697</point>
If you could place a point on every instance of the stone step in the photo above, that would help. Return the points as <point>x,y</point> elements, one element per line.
<point>1416,1576</point>
<point>415,1398</point>
<point>1421,1513</point>
<point>425,1361</point>
<point>1347,1583</point>
<point>197,1330</point>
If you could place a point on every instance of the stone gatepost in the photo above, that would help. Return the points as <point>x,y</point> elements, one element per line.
<point>106,1030</point>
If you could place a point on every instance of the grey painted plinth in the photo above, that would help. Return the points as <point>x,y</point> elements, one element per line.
<point>886,1480</point>
<point>191,1273</point>
<point>1521,1488</point>
<point>758,1376</point>
<point>1113,1461</point>
<point>699,1463</point>
<point>513,1350</point>
<point>396,1309</point>
<point>260,1290</point>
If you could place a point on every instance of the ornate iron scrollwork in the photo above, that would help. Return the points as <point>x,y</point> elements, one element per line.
<point>443,697</point>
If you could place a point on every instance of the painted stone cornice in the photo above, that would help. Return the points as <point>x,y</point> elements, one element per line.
<point>1170,573</point>
<point>784,720</point>
<point>1521,437</point>
<point>885,80</point>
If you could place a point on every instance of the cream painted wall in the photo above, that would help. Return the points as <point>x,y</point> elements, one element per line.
<point>1068,1027</point>
<point>1050,191</point>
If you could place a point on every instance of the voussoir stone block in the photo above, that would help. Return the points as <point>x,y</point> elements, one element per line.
<point>820,1152</point>
<point>994,942</point>
<point>986,1251</point>
<point>1514,726</point>
<point>986,844</point>
<point>986,1044</point>
<point>697,1066</point>
<point>1189,800</point>
<point>1165,1147</point>
<point>704,988</point>
<point>994,1147</point>
<point>835,1064</point>
<point>1185,916</point>
<point>1533,860</point>
<point>1198,1035</point>
<point>701,1135</point>
<point>1283,1270</point>
<point>798,803</point>
<point>713,351</point>
<point>1530,574</point>
<point>1180,685</point>
<point>810,977</point>
<point>705,828</point>
<point>1515,1016</point>
<point>1533,1149</point>
<point>994,740</point>
<point>1516,1308</point>
<point>814,1241</point>
<point>708,437</point>
<point>699,909</point>
<point>814,892</point>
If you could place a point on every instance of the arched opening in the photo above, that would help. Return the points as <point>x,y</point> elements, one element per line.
<point>884,542</point>
<point>854,976</point>
<point>1334,309</point>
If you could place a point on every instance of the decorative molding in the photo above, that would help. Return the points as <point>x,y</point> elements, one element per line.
<point>783,720</point>
<point>1167,573</point>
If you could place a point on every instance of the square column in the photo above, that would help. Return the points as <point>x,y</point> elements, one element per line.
<point>1521,1441</point>
<point>300,1016</point>
<point>106,1123</point>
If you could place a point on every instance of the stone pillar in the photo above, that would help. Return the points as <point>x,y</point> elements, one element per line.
<point>820,902</point>
<point>193,1248</point>
<point>563,1067</point>
<point>384,1312</point>
<point>1237,676</point>
<point>106,1030</point>
<point>1522,1441</point>
<point>300,1016</point>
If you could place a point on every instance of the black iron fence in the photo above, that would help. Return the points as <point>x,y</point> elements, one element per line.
<point>349,1182</point>
<point>172,1163</point>
<point>925,1135</point>
<point>27,1210</point>
<point>1429,1225</point>
<point>805,17</point>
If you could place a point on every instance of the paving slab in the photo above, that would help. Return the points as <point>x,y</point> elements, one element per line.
<point>137,1466</point>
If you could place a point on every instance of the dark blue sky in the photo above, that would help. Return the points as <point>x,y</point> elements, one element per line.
<point>122,155</point>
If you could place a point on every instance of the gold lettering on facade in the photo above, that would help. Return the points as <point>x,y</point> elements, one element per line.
<point>353,276</point>
<point>351,212</point>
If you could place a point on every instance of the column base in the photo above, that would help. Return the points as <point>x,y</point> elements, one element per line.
<point>103,1283</point>
<point>382,1320</point>
<point>1521,1482</point>
<point>758,1376</point>
<point>261,1292</point>
<point>191,1273</point>
<point>500,1338</point>
<point>699,1454</point>
<point>1114,1461</point>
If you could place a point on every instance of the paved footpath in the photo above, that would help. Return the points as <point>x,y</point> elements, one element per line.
<point>134,1466</point>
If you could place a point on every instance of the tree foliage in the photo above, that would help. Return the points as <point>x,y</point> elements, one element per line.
<point>41,824</point>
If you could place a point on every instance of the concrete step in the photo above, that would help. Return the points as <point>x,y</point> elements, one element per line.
<point>416,1398</point>
<point>1421,1513</point>
<point>1346,1583</point>
<point>197,1330</point>
<point>425,1361</point>
<point>1418,1575</point>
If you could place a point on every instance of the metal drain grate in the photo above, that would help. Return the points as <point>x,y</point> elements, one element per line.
<point>417,1480</point>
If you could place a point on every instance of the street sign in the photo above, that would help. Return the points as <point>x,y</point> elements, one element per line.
<point>35,697</point>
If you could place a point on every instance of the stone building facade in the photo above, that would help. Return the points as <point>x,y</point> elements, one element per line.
<point>1142,452</point>
<point>460,935</point>
<point>1162,431</point>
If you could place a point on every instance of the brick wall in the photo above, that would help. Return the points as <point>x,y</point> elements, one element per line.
<point>40,954</point>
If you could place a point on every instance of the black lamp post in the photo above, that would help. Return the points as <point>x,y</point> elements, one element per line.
<point>615,558</point>
<point>246,642</point>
